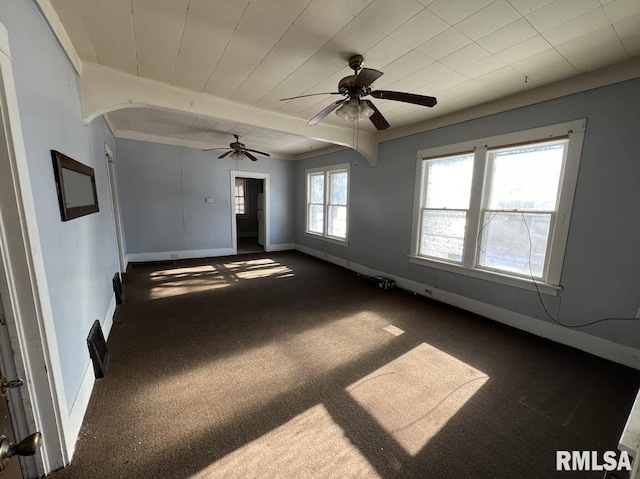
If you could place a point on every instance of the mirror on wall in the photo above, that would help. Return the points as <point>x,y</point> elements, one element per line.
<point>76,185</point>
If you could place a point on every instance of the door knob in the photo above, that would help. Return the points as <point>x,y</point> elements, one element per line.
<point>29,446</point>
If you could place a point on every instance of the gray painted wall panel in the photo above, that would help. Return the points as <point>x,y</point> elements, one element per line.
<point>163,190</point>
<point>601,271</point>
<point>80,255</point>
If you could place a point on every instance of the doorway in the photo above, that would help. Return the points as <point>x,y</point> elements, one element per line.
<point>250,212</point>
<point>115,204</point>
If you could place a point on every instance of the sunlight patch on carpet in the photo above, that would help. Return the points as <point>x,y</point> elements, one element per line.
<point>415,395</point>
<point>391,329</point>
<point>257,268</point>
<point>309,446</point>
<point>179,281</point>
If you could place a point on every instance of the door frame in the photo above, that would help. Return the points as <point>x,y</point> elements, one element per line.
<point>29,346</point>
<point>267,208</point>
<point>115,206</point>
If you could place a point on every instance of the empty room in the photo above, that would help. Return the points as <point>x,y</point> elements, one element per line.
<point>314,239</point>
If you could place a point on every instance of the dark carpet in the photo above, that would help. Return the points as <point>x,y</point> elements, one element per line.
<point>280,365</point>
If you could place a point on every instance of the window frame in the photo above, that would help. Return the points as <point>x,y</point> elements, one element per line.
<point>423,199</point>
<point>244,198</point>
<point>326,171</point>
<point>573,131</point>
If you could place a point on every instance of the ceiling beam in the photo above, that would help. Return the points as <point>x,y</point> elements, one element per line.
<point>105,89</point>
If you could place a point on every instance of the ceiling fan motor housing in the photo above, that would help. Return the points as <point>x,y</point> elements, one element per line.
<point>348,87</point>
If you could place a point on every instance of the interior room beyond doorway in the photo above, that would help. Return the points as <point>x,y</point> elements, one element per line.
<point>250,217</point>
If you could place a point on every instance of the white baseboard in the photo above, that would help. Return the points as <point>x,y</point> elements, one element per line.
<point>184,254</point>
<point>603,348</point>
<point>282,247</point>
<point>194,254</point>
<point>81,402</point>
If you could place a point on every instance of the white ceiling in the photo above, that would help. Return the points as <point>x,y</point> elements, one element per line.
<point>255,52</point>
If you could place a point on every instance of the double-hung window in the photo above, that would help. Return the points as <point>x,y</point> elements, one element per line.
<point>328,202</point>
<point>499,208</point>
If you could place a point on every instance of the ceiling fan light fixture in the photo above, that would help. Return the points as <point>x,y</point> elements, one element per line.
<point>365,111</point>
<point>354,110</point>
<point>236,155</point>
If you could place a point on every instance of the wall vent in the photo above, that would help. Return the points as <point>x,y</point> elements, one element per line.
<point>118,289</point>
<point>98,350</point>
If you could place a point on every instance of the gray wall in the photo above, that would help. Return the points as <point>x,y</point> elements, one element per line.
<point>601,274</point>
<point>80,255</point>
<point>163,190</point>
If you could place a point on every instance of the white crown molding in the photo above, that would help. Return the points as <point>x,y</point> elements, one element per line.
<point>324,151</point>
<point>60,32</point>
<point>109,124</point>
<point>4,41</point>
<point>588,81</point>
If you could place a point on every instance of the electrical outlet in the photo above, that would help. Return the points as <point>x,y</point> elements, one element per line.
<point>174,255</point>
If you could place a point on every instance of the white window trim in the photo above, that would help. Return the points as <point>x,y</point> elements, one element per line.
<point>575,131</point>
<point>326,169</point>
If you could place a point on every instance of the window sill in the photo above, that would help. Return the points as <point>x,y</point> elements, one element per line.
<point>327,238</point>
<point>505,279</point>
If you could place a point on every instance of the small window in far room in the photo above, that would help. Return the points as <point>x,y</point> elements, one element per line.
<point>241,200</point>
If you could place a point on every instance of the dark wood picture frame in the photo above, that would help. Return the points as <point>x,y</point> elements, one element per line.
<point>72,204</point>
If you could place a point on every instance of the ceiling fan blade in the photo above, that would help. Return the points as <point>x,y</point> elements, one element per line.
<point>225,154</point>
<point>377,119</point>
<point>325,112</point>
<point>311,94</point>
<point>367,76</point>
<point>405,97</point>
<point>258,152</point>
<point>249,155</point>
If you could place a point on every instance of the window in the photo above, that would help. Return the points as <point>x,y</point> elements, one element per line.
<point>328,202</point>
<point>241,199</point>
<point>499,209</point>
<point>446,207</point>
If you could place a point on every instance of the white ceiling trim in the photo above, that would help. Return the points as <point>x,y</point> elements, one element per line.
<point>4,41</point>
<point>588,81</point>
<point>166,140</point>
<point>107,120</point>
<point>105,89</point>
<point>60,32</point>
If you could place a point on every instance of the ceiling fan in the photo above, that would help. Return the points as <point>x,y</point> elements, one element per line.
<point>237,150</point>
<point>354,87</point>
